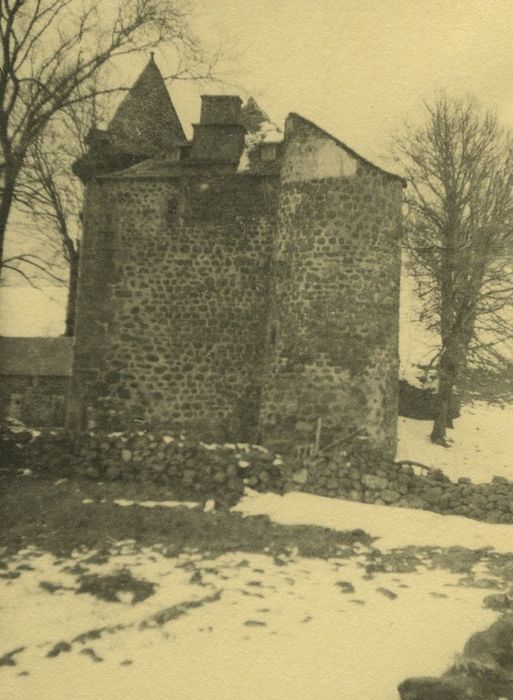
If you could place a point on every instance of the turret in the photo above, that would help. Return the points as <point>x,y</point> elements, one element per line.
<point>144,125</point>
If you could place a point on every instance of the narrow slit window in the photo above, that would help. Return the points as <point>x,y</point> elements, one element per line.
<point>172,209</point>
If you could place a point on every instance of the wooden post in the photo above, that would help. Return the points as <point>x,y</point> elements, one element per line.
<point>317,444</point>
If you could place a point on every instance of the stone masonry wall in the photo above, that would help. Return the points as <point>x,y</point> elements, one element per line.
<point>173,302</point>
<point>37,401</point>
<point>243,306</point>
<point>333,332</point>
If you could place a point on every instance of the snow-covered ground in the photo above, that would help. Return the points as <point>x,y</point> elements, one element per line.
<point>254,626</point>
<point>249,625</point>
<point>482,443</point>
<point>394,527</point>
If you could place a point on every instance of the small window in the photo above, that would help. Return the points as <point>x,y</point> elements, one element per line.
<point>172,209</point>
<point>15,406</point>
<point>273,335</point>
<point>268,151</point>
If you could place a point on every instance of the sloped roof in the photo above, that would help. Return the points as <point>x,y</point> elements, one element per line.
<point>36,357</point>
<point>252,115</point>
<point>146,117</point>
<point>257,122</point>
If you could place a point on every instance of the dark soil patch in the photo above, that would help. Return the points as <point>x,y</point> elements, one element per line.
<point>92,654</point>
<point>11,575</point>
<point>59,648</point>
<point>175,611</point>
<point>53,587</point>
<point>34,511</point>
<point>8,659</point>
<point>97,633</point>
<point>109,586</point>
<point>458,560</point>
<point>501,602</point>
<point>345,586</point>
<point>397,561</point>
<point>387,593</point>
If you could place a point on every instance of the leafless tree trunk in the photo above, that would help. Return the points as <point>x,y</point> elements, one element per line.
<point>72,292</point>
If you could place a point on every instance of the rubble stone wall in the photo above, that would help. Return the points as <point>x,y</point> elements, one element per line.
<point>333,332</point>
<point>173,302</point>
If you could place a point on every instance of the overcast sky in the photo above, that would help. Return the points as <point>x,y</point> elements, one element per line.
<point>358,67</point>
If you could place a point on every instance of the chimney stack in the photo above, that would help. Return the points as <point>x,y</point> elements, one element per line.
<point>219,137</point>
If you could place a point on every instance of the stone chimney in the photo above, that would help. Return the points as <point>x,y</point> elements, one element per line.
<point>219,137</point>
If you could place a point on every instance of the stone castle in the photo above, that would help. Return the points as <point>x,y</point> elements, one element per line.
<point>237,285</point>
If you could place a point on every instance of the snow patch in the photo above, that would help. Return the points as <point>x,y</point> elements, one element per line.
<point>123,502</point>
<point>395,527</point>
<point>273,630</point>
<point>482,443</point>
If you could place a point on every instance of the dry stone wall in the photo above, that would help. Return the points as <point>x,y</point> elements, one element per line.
<point>363,474</point>
<point>197,470</point>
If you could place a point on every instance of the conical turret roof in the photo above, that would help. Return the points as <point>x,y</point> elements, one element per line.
<point>253,116</point>
<point>146,117</point>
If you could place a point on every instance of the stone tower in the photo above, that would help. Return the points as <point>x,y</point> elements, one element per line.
<point>333,356</point>
<point>234,285</point>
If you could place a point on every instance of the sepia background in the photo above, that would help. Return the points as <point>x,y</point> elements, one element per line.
<point>359,69</point>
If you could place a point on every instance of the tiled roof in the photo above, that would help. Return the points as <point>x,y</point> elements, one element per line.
<point>146,118</point>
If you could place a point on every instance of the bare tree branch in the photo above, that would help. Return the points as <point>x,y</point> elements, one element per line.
<point>53,50</point>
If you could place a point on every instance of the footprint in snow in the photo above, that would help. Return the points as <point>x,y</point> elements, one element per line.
<point>89,651</point>
<point>387,593</point>
<point>345,586</point>
<point>255,623</point>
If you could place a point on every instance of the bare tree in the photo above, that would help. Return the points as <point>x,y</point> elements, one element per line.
<point>50,200</point>
<point>460,235</point>
<point>51,50</point>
